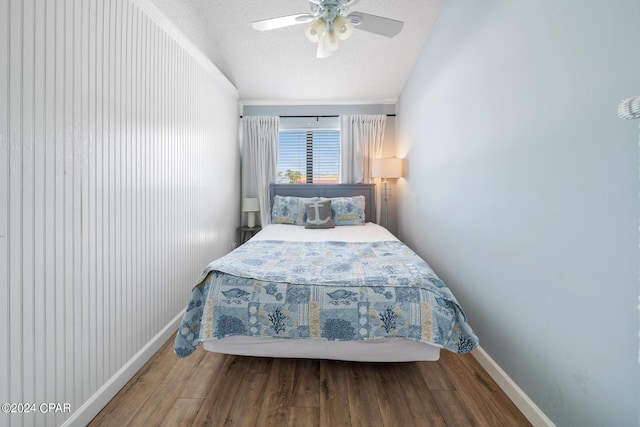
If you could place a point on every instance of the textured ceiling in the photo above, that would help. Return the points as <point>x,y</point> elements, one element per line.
<point>280,67</point>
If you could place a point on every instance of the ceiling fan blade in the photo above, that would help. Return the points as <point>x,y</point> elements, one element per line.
<point>376,24</point>
<point>283,21</point>
<point>351,3</point>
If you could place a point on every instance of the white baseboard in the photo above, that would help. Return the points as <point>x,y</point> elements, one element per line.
<point>100,398</point>
<point>529,409</point>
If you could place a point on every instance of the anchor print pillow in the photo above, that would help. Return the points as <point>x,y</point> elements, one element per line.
<point>319,214</point>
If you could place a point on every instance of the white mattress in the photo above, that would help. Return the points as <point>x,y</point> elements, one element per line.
<point>369,232</point>
<point>380,350</point>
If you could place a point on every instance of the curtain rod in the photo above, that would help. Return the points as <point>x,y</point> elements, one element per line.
<point>317,117</point>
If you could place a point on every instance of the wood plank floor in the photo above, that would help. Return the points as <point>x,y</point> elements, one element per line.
<point>215,389</point>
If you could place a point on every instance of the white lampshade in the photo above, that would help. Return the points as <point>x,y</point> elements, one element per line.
<point>330,41</point>
<point>314,30</point>
<point>387,168</point>
<point>250,204</point>
<point>323,52</point>
<point>343,27</point>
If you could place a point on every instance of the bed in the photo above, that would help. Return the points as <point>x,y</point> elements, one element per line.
<point>350,291</point>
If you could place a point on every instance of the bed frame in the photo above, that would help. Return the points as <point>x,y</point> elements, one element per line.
<point>329,190</point>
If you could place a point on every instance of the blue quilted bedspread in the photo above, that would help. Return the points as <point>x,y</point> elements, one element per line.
<point>324,290</point>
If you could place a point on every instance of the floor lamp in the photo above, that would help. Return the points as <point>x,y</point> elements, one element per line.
<point>386,169</point>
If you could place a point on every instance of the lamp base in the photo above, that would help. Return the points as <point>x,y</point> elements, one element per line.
<point>251,219</point>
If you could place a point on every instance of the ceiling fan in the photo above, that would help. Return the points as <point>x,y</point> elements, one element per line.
<point>330,21</point>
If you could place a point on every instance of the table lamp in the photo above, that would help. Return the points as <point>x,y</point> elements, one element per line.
<point>251,206</point>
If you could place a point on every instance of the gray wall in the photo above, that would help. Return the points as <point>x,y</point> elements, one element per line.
<point>521,191</point>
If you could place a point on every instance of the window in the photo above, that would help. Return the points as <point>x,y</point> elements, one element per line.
<point>308,156</point>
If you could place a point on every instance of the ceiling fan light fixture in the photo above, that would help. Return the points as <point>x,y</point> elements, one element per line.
<point>322,51</point>
<point>330,41</point>
<point>343,26</point>
<point>315,29</point>
<point>311,34</point>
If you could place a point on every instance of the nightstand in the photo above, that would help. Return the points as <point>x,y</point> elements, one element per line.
<point>248,232</point>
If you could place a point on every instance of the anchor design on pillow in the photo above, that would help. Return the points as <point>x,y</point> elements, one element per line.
<point>317,221</point>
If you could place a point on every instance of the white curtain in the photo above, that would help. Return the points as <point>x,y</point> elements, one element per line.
<point>259,160</point>
<point>361,139</point>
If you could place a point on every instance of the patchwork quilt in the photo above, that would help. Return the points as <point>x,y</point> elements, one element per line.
<point>323,290</point>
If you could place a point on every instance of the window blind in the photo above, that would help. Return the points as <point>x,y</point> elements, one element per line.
<point>308,156</point>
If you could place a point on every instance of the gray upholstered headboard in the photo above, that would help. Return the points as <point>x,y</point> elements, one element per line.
<point>330,190</point>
